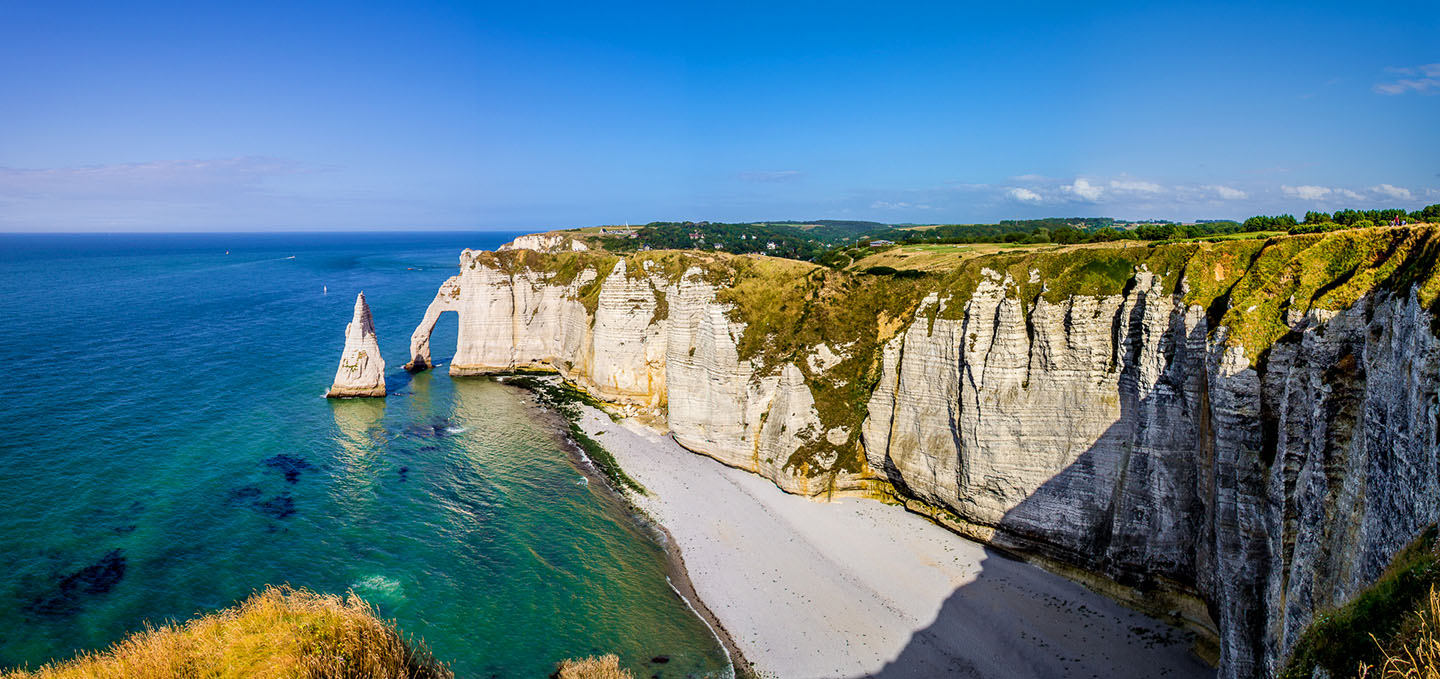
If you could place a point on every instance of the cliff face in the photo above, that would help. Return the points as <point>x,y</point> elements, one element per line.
<point>1253,424</point>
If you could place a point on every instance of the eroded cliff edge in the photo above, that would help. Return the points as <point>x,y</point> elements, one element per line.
<point>1251,423</point>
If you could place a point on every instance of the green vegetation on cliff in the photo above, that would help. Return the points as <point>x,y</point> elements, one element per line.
<point>1396,613</point>
<point>1256,288</point>
<point>276,633</point>
<point>789,312</point>
<point>832,242</point>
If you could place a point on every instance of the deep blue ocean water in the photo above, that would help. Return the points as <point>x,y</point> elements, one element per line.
<point>165,450</point>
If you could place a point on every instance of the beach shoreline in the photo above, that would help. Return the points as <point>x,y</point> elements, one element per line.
<point>859,588</point>
<point>677,575</point>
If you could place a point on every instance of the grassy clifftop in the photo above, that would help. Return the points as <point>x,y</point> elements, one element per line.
<point>1252,286</point>
<point>277,633</point>
<point>280,633</point>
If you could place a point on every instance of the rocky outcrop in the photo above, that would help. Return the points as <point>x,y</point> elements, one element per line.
<point>1140,432</point>
<point>545,242</point>
<point>362,369</point>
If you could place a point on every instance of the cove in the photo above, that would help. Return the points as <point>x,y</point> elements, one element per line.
<point>169,452</point>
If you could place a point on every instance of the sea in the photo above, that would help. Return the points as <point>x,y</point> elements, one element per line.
<point>165,451</point>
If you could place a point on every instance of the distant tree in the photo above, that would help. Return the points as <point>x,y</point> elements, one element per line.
<point>1347,217</point>
<point>1067,235</point>
<point>1040,235</point>
<point>1317,217</point>
<point>1104,235</point>
<point>1429,213</point>
<point>1265,223</point>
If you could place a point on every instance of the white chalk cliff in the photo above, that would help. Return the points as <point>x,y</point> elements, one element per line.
<point>545,242</point>
<point>362,370</point>
<point>1126,434</point>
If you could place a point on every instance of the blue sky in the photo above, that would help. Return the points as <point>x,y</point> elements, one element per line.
<point>255,116</point>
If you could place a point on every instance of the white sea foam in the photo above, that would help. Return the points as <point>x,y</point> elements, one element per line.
<point>379,586</point>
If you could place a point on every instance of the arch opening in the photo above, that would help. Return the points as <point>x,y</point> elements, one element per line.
<point>446,300</point>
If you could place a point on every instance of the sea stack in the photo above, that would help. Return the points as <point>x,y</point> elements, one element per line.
<point>362,370</point>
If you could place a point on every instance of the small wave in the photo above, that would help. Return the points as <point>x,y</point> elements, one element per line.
<point>455,430</point>
<point>729,671</point>
<point>583,457</point>
<point>379,586</point>
<point>583,482</point>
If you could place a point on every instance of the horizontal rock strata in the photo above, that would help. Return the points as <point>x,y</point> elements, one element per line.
<point>1126,432</point>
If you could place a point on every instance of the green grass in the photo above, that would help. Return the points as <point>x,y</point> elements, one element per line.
<point>1340,640</point>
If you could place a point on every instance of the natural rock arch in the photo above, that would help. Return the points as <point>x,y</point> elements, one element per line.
<point>447,299</point>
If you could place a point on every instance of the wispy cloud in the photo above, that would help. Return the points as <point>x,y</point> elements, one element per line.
<point>239,191</point>
<point>147,181</point>
<point>1307,192</point>
<point>898,205</point>
<point>1380,192</point>
<point>769,175</point>
<point>1226,192</point>
<point>1123,196</point>
<point>1425,80</point>
<point>1135,186</point>
<point>1395,192</point>
<point>1123,190</point>
<point>889,205</point>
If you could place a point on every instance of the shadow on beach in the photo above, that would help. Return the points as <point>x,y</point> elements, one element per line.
<point>1016,620</point>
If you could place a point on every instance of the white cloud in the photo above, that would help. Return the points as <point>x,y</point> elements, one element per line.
<point>1381,192</point>
<point>1306,192</point>
<point>1023,195</point>
<point>769,175</point>
<point>1085,190</point>
<point>888,205</point>
<point>1135,185</point>
<point>1228,193</point>
<point>146,180</point>
<point>1395,192</point>
<point>1429,80</point>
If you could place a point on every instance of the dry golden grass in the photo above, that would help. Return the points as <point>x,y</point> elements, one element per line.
<point>594,667</point>
<point>278,632</point>
<point>1417,655</point>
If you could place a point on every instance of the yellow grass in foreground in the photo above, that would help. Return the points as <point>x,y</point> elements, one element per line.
<point>1417,656</point>
<point>595,667</point>
<point>278,632</point>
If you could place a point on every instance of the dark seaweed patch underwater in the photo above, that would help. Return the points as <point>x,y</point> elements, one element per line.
<point>72,590</point>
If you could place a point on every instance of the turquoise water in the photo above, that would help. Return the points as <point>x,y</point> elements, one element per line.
<point>164,451</point>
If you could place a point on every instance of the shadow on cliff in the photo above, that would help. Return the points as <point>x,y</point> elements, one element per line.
<point>1015,620</point>
<point>1137,506</point>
